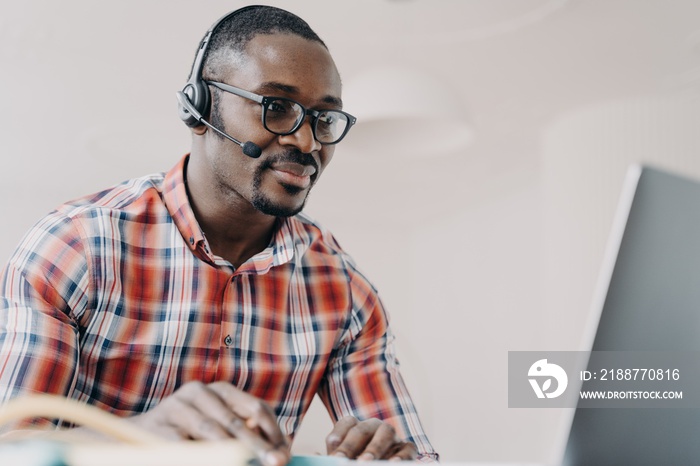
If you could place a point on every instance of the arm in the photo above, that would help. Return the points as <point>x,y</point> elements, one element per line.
<point>363,382</point>
<point>40,289</point>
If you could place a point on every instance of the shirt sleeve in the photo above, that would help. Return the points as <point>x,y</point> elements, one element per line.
<point>42,284</point>
<point>363,377</point>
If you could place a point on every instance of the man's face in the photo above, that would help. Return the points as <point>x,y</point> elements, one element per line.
<point>280,65</point>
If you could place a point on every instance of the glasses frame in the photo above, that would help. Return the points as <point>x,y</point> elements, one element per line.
<point>264,101</point>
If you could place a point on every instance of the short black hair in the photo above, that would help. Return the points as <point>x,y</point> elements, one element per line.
<point>236,30</point>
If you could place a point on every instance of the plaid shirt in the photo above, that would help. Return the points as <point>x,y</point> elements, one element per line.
<point>116,300</point>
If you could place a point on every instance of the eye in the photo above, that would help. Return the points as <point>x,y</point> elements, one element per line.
<point>327,118</point>
<point>279,106</point>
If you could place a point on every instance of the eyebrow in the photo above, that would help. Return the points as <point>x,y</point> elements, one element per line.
<point>272,86</point>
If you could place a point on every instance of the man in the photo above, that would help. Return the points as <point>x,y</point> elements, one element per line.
<point>200,303</point>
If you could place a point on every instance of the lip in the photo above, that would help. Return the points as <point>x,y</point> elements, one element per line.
<point>294,174</point>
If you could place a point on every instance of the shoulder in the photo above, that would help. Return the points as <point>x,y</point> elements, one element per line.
<point>315,244</point>
<point>322,249</point>
<point>316,237</point>
<point>69,225</point>
<point>126,207</point>
<point>129,195</point>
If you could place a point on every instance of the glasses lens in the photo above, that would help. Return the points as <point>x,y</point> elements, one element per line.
<point>282,115</point>
<point>330,126</point>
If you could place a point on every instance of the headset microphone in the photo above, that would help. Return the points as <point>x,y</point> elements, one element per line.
<point>249,148</point>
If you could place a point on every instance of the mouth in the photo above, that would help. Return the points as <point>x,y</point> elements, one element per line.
<point>294,174</point>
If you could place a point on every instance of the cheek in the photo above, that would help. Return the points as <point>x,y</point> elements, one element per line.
<point>230,166</point>
<point>326,155</point>
<point>243,122</point>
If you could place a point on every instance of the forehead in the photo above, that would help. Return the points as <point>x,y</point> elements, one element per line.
<point>304,69</point>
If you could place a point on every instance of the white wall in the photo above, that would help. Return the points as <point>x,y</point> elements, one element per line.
<point>476,253</point>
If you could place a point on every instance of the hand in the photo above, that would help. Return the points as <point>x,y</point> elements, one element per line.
<point>219,411</point>
<point>368,440</point>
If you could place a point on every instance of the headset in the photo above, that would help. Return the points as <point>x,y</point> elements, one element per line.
<point>194,100</point>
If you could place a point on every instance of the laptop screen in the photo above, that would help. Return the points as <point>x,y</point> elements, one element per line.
<point>651,302</point>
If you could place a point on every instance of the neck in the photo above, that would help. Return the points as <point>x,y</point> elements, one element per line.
<point>235,230</point>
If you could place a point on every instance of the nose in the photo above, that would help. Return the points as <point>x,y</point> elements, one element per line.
<point>303,138</point>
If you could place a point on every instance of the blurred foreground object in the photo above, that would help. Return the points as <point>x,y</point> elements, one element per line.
<point>133,446</point>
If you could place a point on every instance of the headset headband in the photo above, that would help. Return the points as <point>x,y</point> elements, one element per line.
<point>196,90</point>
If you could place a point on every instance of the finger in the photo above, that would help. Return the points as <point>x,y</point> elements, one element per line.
<point>177,418</point>
<point>257,413</point>
<point>406,452</point>
<point>198,404</point>
<point>337,435</point>
<point>265,437</point>
<point>383,443</point>
<point>269,454</point>
<point>190,423</point>
<point>358,438</point>
<point>207,410</point>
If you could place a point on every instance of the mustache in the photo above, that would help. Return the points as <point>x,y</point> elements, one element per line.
<point>292,155</point>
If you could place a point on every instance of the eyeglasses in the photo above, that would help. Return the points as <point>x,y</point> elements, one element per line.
<point>284,116</point>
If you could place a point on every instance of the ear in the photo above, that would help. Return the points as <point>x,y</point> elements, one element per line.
<point>199,130</point>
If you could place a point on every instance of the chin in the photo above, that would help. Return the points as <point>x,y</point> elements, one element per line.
<point>278,209</point>
<point>279,199</point>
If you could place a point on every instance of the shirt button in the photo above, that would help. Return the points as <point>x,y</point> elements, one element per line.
<point>228,340</point>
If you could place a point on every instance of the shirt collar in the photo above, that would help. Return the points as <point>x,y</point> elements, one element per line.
<point>178,204</point>
<point>281,249</point>
<point>287,239</point>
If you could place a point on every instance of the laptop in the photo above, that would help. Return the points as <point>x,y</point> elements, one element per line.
<point>647,299</point>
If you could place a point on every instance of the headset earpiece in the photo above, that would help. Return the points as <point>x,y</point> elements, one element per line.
<point>198,94</point>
